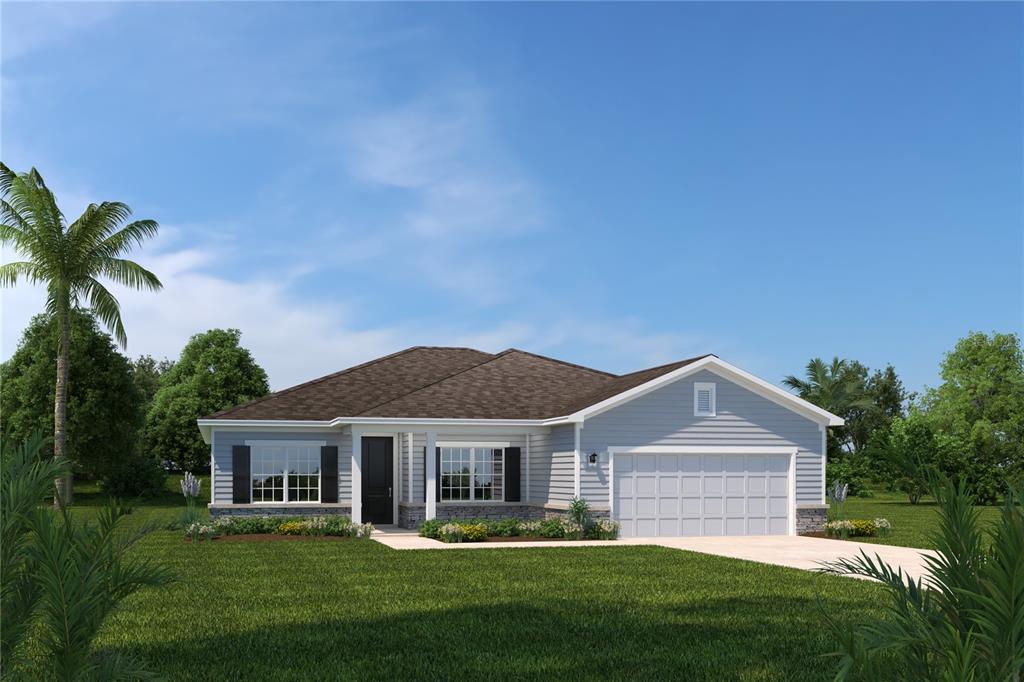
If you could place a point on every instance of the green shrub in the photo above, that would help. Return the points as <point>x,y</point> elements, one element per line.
<point>337,525</point>
<point>579,511</point>
<point>505,528</point>
<point>603,529</point>
<point>866,528</point>
<point>432,528</point>
<point>473,532</point>
<point>297,527</point>
<point>551,528</point>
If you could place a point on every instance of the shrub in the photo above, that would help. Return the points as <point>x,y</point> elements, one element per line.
<point>199,531</point>
<point>579,511</point>
<point>248,525</point>
<point>966,624</point>
<point>474,532</point>
<point>432,528</point>
<point>551,528</point>
<point>450,532</point>
<point>529,528</point>
<point>337,525</point>
<point>296,527</point>
<point>883,526</point>
<point>855,527</point>
<point>504,528</point>
<point>603,529</point>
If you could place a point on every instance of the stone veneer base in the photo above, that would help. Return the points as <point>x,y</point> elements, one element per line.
<point>216,512</point>
<point>811,519</point>
<point>412,515</point>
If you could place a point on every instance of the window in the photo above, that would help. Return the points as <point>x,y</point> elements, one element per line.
<point>704,400</point>
<point>472,473</point>
<point>285,472</point>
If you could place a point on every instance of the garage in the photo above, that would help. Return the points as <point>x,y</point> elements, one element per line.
<point>671,494</point>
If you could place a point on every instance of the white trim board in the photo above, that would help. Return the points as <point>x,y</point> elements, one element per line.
<point>724,370</point>
<point>725,450</point>
<point>472,444</point>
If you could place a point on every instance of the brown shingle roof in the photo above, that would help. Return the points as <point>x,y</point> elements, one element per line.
<point>448,383</point>
<point>351,391</point>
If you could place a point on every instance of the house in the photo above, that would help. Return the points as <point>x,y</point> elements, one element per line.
<point>695,447</point>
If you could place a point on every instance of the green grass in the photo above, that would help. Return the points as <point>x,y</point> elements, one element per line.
<point>912,524</point>
<point>359,610</point>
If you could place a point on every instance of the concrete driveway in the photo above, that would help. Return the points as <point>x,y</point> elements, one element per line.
<point>793,550</point>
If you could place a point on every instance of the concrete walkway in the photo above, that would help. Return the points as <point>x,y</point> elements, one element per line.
<point>782,550</point>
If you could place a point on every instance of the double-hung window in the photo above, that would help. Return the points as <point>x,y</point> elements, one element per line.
<point>285,472</point>
<point>472,473</point>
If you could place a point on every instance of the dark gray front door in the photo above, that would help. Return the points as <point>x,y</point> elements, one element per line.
<point>378,478</point>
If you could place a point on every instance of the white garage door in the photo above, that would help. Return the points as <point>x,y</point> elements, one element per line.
<point>672,495</point>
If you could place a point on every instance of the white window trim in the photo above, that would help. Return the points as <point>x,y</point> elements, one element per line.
<point>494,445</point>
<point>285,444</point>
<point>699,386</point>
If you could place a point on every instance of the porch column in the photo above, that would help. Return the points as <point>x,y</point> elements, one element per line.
<point>357,476</point>
<point>431,473</point>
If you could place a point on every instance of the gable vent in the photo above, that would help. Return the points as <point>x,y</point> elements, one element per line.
<point>704,400</point>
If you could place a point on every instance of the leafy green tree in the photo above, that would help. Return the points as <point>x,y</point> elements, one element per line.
<point>105,407</point>
<point>831,386</point>
<point>916,453</point>
<point>888,398</point>
<point>213,373</point>
<point>981,403</point>
<point>147,372</point>
<point>70,259</point>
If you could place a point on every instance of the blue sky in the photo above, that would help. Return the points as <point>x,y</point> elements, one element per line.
<point>617,185</point>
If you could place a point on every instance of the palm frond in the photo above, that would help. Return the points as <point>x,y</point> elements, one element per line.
<point>10,272</point>
<point>106,308</point>
<point>130,274</point>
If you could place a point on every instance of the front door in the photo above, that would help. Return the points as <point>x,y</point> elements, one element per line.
<point>378,477</point>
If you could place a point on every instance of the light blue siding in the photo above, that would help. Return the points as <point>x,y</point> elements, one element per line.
<point>551,465</point>
<point>665,417</point>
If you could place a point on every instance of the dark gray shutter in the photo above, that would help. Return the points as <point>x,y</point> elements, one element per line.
<point>512,475</point>
<point>329,473</point>
<point>424,473</point>
<point>437,474</point>
<point>240,490</point>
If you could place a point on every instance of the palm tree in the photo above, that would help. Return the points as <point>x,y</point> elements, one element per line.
<point>69,260</point>
<point>831,387</point>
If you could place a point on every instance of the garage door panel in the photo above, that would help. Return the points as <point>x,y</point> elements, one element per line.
<point>736,526</point>
<point>712,526</point>
<point>646,528</point>
<point>669,495</point>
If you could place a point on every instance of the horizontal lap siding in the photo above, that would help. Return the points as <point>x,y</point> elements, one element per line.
<point>562,485</point>
<point>665,417</point>
<point>540,467</point>
<point>223,441</point>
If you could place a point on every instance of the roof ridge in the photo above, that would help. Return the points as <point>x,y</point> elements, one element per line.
<point>560,362</point>
<point>493,356</point>
<point>332,375</point>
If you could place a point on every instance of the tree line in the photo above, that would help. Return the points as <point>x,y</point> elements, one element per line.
<point>129,421</point>
<point>970,427</point>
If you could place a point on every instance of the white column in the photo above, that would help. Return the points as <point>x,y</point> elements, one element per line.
<point>408,449</point>
<point>576,456</point>
<point>431,474</point>
<point>357,476</point>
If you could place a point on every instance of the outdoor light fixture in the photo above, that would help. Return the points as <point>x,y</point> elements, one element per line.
<point>593,458</point>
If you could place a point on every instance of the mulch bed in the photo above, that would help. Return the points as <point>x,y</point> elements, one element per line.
<point>522,538</point>
<point>264,537</point>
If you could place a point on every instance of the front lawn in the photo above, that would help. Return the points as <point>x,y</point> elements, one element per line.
<point>912,524</point>
<point>359,610</point>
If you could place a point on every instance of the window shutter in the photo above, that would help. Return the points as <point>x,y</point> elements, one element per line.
<point>437,473</point>
<point>329,473</point>
<point>424,473</point>
<point>511,469</point>
<point>240,483</point>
